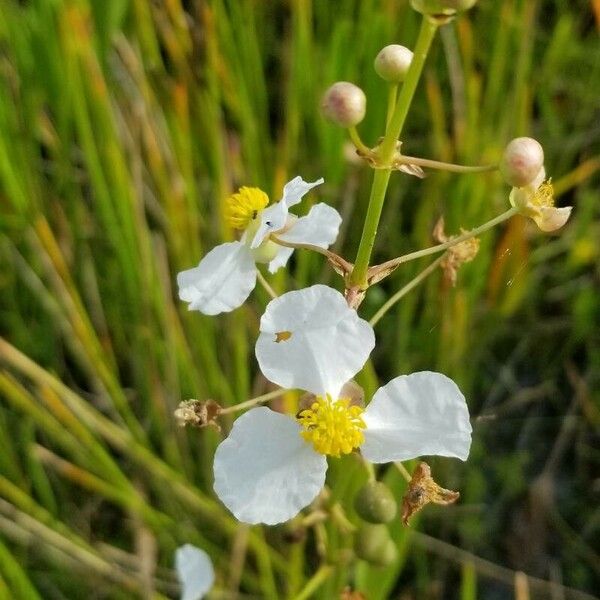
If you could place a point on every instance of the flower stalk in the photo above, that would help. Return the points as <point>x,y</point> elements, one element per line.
<point>358,277</point>
<point>411,285</point>
<point>380,271</point>
<point>444,166</point>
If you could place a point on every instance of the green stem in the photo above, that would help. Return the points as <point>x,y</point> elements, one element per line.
<point>252,402</point>
<point>265,284</point>
<point>387,149</point>
<point>315,582</point>
<point>426,35</point>
<point>369,233</point>
<point>392,98</point>
<point>443,166</point>
<point>356,140</point>
<point>391,264</point>
<point>404,471</point>
<point>404,290</point>
<point>332,256</point>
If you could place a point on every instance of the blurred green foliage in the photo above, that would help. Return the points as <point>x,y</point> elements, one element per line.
<point>124,124</point>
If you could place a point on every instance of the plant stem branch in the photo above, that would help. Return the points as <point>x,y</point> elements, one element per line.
<point>267,287</point>
<point>332,256</point>
<point>315,582</point>
<point>392,97</point>
<point>356,140</point>
<point>252,402</point>
<point>392,264</point>
<point>403,471</point>
<point>444,166</point>
<point>404,290</point>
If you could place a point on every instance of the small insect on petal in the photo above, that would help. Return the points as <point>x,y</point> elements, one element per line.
<point>422,490</point>
<point>282,336</point>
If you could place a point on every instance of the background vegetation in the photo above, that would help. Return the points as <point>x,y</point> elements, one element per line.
<point>123,126</point>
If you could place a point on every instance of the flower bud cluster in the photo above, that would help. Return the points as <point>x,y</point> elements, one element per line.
<point>345,104</point>
<point>376,505</point>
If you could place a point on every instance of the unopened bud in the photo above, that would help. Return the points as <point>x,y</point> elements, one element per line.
<point>441,7</point>
<point>522,161</point>
<point>375,503</point>
<point>344,103</point>
<point>266,252</point>
<point>374,544</point>
<point>392,63</point>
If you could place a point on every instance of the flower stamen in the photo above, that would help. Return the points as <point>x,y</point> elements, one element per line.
<point>544,195</point>
<point>244,206</point>
<point>333,428</point>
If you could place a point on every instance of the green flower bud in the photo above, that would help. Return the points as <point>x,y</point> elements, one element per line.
<point>374,544</point>
<point>388,555</point>
<point>441,7</point>
<point>344,103</point>
<point>375,503</point>
<point>392,63</point>
<point>522,161</point>
<point>266,252</point>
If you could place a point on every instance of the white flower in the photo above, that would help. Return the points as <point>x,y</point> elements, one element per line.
<point>536,200</point>
<point>227,274</point>
<point>194,571</point>
<point>272,465</point>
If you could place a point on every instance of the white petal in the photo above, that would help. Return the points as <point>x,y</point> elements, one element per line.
<point>297,188</point>
<point>221,282</point>
<point>319,227</point>
<point>520,198</point>
<point>421,414</point>
<point>281,258</point>
<point>264,471</point>
<point>552,218</point>
<point>195,572</point>
<point>274,217</point>
<point>539,179</point>
<point>328,342</point>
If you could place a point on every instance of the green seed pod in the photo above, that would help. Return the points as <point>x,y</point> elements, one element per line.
<point>392,63</point>
<point>372,543</point>
<point>370,540</point>
<point>388,555</point>
<point>375,503</point>
<point>344,103</point>
<point>441,7</point>
<point>266,252</point>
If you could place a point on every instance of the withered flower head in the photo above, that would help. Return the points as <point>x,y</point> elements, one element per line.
<point>197,413</point>
<point>349,594</point>
<point>455,256</point>
<point>422,490</point>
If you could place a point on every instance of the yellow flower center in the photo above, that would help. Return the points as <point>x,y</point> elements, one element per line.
<point>332,428</point>
<point>544,195</point>
<point>243,207</point>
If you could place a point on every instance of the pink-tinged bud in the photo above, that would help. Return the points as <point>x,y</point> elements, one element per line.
<point>392,63</point>
<point>344,103</point>
<point>441,7</point>
<point>521,162</point>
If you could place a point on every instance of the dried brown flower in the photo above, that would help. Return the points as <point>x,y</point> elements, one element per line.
<point>422,490</point>
<point>455,256</point>
<point>349,594</point>
<point>198,413</point>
